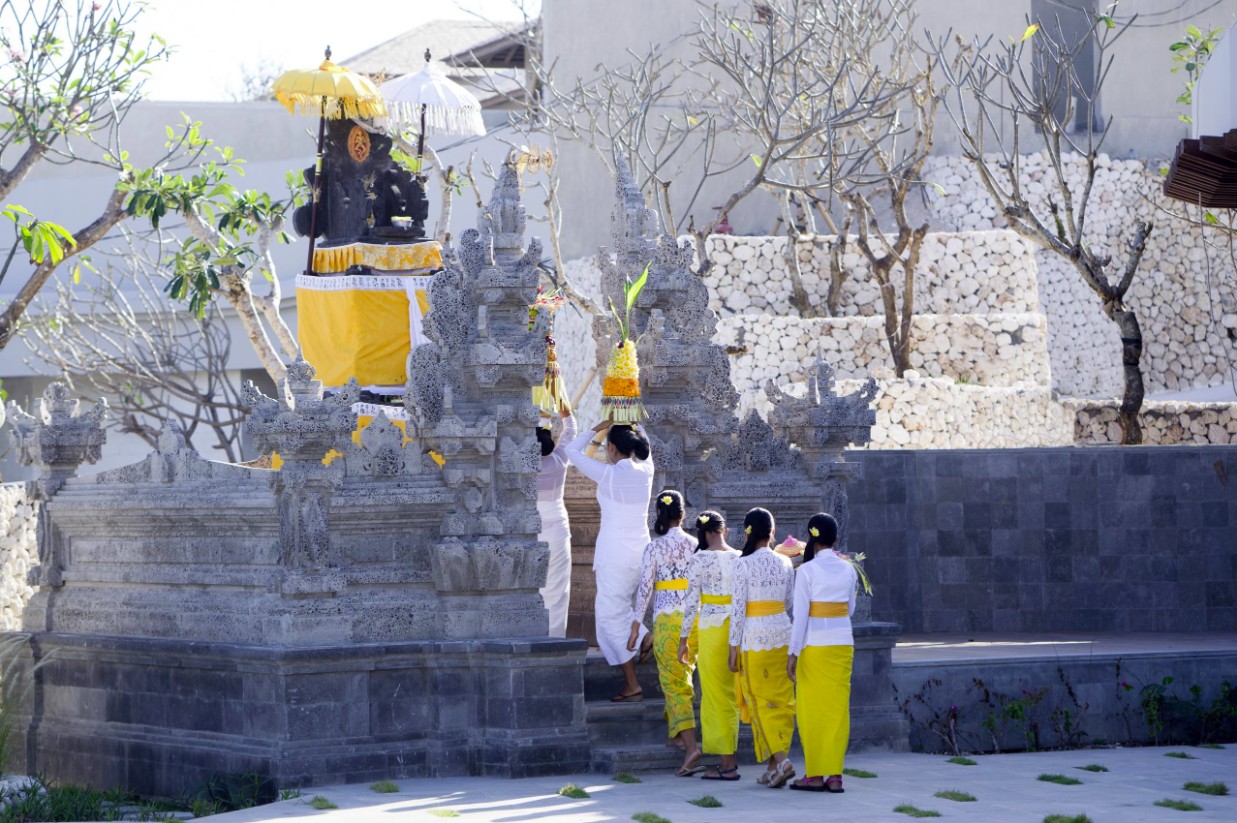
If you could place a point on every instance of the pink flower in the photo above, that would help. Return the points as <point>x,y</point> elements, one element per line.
<point>16,56</point>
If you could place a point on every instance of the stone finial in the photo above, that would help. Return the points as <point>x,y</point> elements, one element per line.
<point>303,433</point>
<point>632,223</point>
<point>502,221</point>
<point>821,423</point>
<point>60,436</point>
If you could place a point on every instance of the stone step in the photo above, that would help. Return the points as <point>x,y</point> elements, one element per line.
<point>602,681</point>
<point>639,726</point>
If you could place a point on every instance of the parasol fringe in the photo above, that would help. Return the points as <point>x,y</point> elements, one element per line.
<point>350,108</point>
<point>461,121</point>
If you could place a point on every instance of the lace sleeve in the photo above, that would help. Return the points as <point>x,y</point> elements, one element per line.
<point>648,576</point>
<point>738,604</point>
<point>692,602</point>
<point>789,570</point>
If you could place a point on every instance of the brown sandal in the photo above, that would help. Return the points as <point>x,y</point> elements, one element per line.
<point>628,697</point>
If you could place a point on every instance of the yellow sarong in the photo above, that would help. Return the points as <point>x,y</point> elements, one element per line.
<point>719,712</point>
<point>767,700</point>
<point>823,687</point>
<point>676,679</point>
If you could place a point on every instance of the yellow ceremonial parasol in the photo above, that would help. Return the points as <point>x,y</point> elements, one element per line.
<point>327,91</point>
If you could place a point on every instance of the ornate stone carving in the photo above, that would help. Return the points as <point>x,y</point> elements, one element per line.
<point>59,436</point>
<point>305,431</point>
<point>821,423</point>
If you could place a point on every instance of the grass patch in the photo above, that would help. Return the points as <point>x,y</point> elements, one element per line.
<point>443,812</point>
<point>648,817</point>
<point>1179,805</point>
<point>1210,746</point>
<point>384,787</point>
<point>706,802</point>
<point>289,794</point>
<point>573,791</point>
<point>956,796</point>
<point>1180,755</point>
<point>626,777</point>
<point>911,811</point>
<point>858,773</point>
<point>1059,779</point>
<point>1094,767</point>
<point>1067,818</point>
<point>962,761</point>
<point>321,803</point>
<point>1216,789</point>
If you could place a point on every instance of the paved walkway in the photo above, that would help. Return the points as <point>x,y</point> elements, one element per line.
<point>1005,788</point>
<point>954,647</point>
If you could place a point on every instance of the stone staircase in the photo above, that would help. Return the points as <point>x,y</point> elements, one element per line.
<point>631,737</point>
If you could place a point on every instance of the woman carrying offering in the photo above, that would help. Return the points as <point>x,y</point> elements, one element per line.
<point>759,641</point>
<point>822,651</point>
<point>663,581</point>
<point>623,489</point>
<point>555,529</point>
<point>709,578</point>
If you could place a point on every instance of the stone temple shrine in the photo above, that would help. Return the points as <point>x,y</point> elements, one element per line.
<point>376,615</point>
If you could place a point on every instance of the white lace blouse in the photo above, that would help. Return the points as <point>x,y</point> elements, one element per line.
<point>711,572</point>
<point>763,575</point>
<point>666,560</point>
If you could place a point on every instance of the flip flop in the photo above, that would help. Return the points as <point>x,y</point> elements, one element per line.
<point>803,784</point>
<point>623,697</point>
<point>718,773</point>
<point>691,767</point>
<point>781,775</point>
<point>646,651</point>
<point>834,785</point>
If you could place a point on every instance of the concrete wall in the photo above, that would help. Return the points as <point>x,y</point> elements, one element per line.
<point>1040,540</point>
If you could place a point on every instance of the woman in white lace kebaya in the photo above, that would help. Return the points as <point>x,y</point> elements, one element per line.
<point>623,489</point>
<point>663,582</point>
<point>759,645</point>
<point>709,577</point>
<point>555,529</point>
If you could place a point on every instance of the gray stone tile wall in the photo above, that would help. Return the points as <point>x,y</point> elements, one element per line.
<point>1040,540</point>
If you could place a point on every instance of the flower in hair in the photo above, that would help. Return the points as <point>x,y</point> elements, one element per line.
<point>747,530</point>
<point>814,531</point>
<point>666,499</point>
<point>704,519</point>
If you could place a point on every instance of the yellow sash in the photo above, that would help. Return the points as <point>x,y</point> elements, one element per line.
<point>676,583</point>
<point>825,608</point>
<point>765,608</point>
<point>715,599</point>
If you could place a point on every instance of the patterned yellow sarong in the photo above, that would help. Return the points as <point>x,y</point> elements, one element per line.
<point>719,712</point>
<point>767,700</point>
<point>823,687</point>
<point>676,679</point>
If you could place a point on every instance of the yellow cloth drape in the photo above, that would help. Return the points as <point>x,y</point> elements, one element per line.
<point>823,707</point>
<point>764,608</point>
<point>719,711</point>
<point>675,678</point>
<point>825,608</point>
<point>767,700</point>
<point>359,327</point>
<point>716,600</point>
<point>415,257</point>
<point>362,421</point>
<point>676,583</point>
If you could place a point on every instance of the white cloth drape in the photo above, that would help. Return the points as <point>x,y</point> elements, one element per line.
<point>556,530</point>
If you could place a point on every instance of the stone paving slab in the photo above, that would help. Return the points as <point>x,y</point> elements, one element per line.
<point>1005,787</point>
<point>951,648</point>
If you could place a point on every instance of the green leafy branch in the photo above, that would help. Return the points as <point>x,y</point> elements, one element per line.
<point>41,239</point>
<point>1190,54</point>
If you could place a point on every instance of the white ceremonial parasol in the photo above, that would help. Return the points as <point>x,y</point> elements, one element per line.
<point>435,100</point>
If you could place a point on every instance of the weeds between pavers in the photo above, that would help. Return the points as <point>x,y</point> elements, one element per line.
<point>289,794</point>
<point>858,773</point>
<point>911,811</point>
<point>1059,779</point>
<point>1210,746</point>
<point>1180,755</point>
<point>962,761</point>
<point>1215,789</point>
<point>321,803</point>
<point>1094,767</point>
<point>626,777</point>
<point>384,787</point>
<point>1179,805</point>
<point>443,812</point>
<point>1067,818</point>
<point>649,817</point>
<point>706,802</point>
<point>573,791</point>
<point>955,795</point>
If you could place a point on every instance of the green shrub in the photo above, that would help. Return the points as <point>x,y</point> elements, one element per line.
<point>1094,767</point>
<point>1216,789</point>
<point>706,802</point>
<point>1059,779</point>
<point>626,777</point>
<point>911,811</point>
<point>321,803</point>
<point>384,787</point>
<point>1179,805</point>
<point>956,796</point>
<point>648,817</point>
<point>1067,818</point>
<point>961,761</point>
<point>573,791</point>
<point>858,773</point>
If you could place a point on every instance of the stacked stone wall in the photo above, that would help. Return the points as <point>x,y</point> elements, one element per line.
<point>1163,424</point>
<point>19,552</point>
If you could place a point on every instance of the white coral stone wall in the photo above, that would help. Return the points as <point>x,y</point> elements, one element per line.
<point>19,552</point>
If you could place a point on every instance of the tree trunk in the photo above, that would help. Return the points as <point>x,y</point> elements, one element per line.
<point>1131,359</point>
<point>837,272</point>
